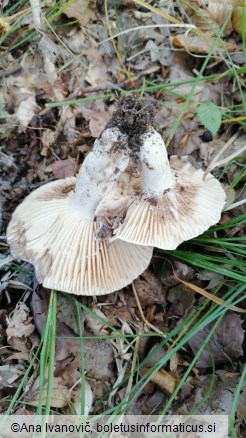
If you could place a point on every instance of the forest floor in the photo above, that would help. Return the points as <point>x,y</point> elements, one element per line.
<point>172,350</point>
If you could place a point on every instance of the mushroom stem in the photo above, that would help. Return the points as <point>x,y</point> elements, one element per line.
<point>100,170</point>
<point>156,170</point>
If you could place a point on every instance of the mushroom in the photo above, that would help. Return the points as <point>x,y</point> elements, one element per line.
<point>54,227</point>
<point>174,202</point>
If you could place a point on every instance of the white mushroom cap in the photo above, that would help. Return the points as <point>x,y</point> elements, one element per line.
<point>49,232</point>
<point>189,207</point>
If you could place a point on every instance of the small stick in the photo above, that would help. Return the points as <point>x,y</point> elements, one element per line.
<point>146,322</point>
<point>110,87</point>
<point>11,71</point>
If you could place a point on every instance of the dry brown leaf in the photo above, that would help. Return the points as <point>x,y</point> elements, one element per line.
<point>66,311</point>
<point>99,360</point>
<point>20,355</point>
<point>48,139</point>
<point>99,355</point>
<point>220,400</point>
<point>97,120</point>
<point>213,277</point>
<point>209,151</point>
<point>200,45</point>
<point>9,374</point>
<point>66,349</point>
<point>149,290</point>
<point>206,294</point>
<point>210,15</point>
<point>155,355</point>
<point>26,111</point>
<point>79,9</point>
<point>166,381</point>
<point>238,20</point>
<point>181,298</point>
<point>88,398</point>
<point>67,121</point>
<point>20,323</point>
<point>225,344</point>
<point>241,406</point>
<point>20,333</point>
<point>97,72</point>
<point>95,325</point>
<point>64,168</point>
<point>60,393</point>
<point>153,402</point>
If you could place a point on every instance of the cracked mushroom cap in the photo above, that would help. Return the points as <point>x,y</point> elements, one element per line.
<point>48,231</point>
<point>188,206</point>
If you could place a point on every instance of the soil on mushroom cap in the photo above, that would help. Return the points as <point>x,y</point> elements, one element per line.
<point>133,118</point>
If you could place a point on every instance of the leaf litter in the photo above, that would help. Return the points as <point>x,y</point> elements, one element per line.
<point>40,143</point>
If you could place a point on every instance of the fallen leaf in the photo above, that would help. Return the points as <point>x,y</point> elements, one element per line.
<point>166,381</point>
<point>238,20</point>
<point>97,71</point>
<point>99,360</point>
<point>149,289</point>
<point>67,121</point>
<point>201,45</point>
<point>95,325</point>
<point>98,354</point>
<point>79,9</point>
<point>48,139</point>
<point>9,374</point>
<point>225,344</point>
<point>60,393</point>
<point>155,355</point>
<point>64,168</point>
<point>213,277</point>
<point>20,323</point>
<point>241,406</point>
<point>26,111</point>
<point>153,402</point>
<point>20,355</point>
<point>97,120</point>
<point>181,298</point>
<point>210,15</point>
<point>88,399</point>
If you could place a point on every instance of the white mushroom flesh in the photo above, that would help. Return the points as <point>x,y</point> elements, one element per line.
<point>100,170</point>
<point>156,171</point>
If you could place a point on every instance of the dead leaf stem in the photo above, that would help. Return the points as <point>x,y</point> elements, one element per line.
<point>113,43</point>
<point>146,322</point>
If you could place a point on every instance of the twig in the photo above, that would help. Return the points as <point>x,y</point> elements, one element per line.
<point>11,71</point>
<point>214,163</point>
<point>134,361</point>
<point>113,43</point>
<point>146,322</point>
<point>148,26</point>
<point>110,87</point>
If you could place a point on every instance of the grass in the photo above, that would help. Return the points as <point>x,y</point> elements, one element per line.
<point>214,251</point>
<point>199,318</point>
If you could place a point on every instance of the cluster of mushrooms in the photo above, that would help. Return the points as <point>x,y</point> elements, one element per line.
<point>94,234</point>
